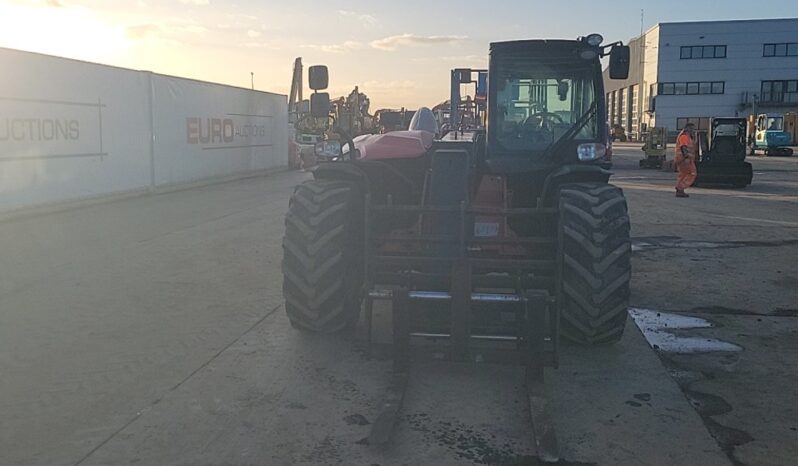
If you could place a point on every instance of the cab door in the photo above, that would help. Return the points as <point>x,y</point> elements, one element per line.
<point>760,130</point>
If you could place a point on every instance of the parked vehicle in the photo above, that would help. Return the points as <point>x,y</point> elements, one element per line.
<point>770,137</point>
<point>655,148</point>
<point>722,154</point>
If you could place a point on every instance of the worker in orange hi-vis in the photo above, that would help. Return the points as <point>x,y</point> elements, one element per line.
<point>685,159</point>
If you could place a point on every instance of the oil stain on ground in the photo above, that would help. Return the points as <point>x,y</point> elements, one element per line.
<point>674,350</point>
<point>470,444</point>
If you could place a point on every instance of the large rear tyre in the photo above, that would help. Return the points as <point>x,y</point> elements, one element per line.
<point>322,262</point>
<point>595,253</point>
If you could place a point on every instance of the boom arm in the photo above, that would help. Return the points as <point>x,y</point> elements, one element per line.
<point>296,86</point>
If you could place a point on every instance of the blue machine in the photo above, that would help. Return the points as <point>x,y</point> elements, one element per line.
<point>770,135</point>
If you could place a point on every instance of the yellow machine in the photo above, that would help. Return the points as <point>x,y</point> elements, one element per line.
<point>655,148</point>
<point>618,133</point>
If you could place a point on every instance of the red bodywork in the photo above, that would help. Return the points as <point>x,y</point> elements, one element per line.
<point>493,194</point>
<point>394,145</point>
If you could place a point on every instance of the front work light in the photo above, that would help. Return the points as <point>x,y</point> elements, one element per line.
<point>594,40</point>
<point>591,151</point>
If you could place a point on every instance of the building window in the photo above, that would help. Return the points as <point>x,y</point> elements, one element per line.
<point>701,123</point>
<point>702,51</point>
<point>634,102</point>
<point>714,87</point>
<point>789,49</point>
<point>612,106</point>
<point>780,91</point>
<point>652,94</point>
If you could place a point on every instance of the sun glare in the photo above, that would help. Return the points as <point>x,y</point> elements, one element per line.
<point>67,31</point>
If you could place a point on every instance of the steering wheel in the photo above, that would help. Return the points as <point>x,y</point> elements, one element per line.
<point>543,120</point>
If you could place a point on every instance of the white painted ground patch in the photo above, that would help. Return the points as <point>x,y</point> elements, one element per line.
<point>657,326</point>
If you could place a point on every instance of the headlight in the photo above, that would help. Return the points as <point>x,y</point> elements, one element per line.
<point>588,54</point>
<point>591,151</point>
<point>328,149</point>
<point>594,40</point>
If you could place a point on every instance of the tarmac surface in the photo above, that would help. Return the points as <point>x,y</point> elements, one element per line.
<point>150,330</point>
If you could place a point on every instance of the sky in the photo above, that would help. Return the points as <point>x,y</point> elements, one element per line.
<point>398,53</point>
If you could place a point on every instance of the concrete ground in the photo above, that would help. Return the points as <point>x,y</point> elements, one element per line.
<point>727,256</point>
<point>151,331</point>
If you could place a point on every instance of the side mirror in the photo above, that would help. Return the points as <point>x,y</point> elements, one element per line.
<point>619,62</point>
<point>318,77</point>
<point>562,90</point>
<point>327,149</point>
<point>320,105</point>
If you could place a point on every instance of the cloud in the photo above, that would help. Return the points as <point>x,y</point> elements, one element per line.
<point>253,34</point>
<point>263,45</point>
<point>55,3</point>
<point>242,17</point>
<point>414,40</point>
<point>196,2</point>
<point>173,32</point>
<point>186,28</point>
<point>142,31</point>
<point>378,87</point>
<point>364,18</point>
<point>465,58</point>
<point>336,48</point>
<point>473,61</point>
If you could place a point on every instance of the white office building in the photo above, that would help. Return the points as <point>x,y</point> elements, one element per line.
<point>692,71</point>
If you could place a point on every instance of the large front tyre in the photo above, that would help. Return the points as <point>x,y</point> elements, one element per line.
<point>595,253</point>
<point>322,259</point>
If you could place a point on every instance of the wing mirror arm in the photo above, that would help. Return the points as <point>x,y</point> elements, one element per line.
<point>605,50</point>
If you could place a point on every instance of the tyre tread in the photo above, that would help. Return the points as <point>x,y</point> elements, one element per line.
<point>596,263</point>
<point>319,255</point>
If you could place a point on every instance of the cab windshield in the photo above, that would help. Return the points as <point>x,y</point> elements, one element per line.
<point>775,124</point>
<point>536,108</point>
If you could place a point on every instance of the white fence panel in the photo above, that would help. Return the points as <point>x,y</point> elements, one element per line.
<point>204,130</point>
<point>70,130</point>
